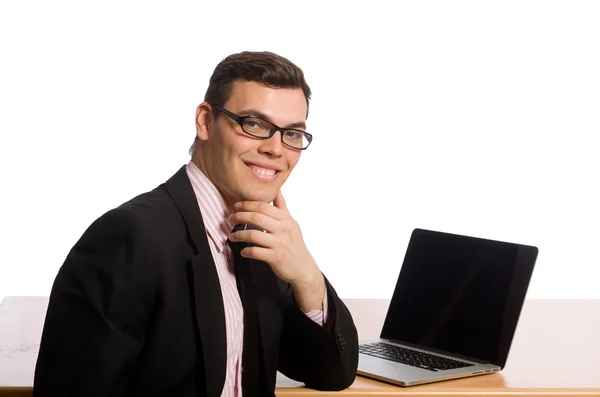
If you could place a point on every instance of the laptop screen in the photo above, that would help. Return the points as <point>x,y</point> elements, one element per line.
<point>460,295</point>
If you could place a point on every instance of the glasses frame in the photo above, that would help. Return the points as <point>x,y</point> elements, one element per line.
<point>240,120</point>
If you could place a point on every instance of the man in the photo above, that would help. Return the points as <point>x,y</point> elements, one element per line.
<point>156,298</point>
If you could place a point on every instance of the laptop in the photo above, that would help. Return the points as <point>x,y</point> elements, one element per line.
<point>454,310</point>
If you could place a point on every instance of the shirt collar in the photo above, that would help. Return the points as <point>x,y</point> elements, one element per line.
<point>215,211</point>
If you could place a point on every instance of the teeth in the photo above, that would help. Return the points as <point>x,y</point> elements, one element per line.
<point>263,171</point>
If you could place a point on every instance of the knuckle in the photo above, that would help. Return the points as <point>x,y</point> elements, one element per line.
<point>287,229</point>
<point>256,217</point>
<point>279,257</point>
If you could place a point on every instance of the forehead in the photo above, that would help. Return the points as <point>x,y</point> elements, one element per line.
<point>281,105</point>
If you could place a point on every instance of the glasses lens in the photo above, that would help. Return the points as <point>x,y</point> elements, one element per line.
<point>262,129</point>
<point>295,138</point>
<point>257,127</point>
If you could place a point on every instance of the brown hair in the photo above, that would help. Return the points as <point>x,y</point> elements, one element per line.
<point>265,67</point>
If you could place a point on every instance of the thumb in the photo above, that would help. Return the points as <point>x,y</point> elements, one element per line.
<point>279,201</point>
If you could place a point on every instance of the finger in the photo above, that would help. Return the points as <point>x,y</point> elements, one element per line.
<point>259,253</point>
<point>279,201</point>
<point>257,219</point>
<point>256,237</point>
<point>261,207</point>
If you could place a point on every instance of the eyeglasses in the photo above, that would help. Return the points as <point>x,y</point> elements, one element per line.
<point>263,129</point>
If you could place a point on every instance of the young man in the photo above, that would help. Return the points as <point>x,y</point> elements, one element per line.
<point>160,298</point>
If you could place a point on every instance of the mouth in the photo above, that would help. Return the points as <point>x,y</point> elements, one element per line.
<point>263,173</point>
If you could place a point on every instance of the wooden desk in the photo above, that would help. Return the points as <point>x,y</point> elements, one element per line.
<point>556,352</point>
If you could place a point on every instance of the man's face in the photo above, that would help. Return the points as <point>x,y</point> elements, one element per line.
<point>240,166</point>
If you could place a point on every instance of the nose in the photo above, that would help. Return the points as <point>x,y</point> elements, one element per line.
<point>272,146</point>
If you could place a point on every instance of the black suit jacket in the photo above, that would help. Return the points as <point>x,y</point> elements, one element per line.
<point>137,310</point>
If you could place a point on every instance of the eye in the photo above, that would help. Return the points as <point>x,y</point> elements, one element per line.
<point>253,123</point>
<point>293,134</point>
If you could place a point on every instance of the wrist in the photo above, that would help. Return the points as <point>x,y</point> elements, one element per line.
<point>312,282</point>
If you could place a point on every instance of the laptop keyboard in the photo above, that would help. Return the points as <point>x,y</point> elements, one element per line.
<point>410,357</point>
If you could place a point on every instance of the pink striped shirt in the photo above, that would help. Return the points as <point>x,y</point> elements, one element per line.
<point>215,213</point>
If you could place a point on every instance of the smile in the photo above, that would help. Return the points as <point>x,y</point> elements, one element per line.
<point>263,174</point>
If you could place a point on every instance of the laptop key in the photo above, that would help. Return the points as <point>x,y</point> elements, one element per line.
<point>400,360</point>
<point>410,357</point>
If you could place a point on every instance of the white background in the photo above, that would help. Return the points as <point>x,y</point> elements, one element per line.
<point>470,117</point>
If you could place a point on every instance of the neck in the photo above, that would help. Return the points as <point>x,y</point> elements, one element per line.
<point>198,160</point>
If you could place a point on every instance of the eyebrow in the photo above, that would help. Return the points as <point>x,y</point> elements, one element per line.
<point>261,115</point>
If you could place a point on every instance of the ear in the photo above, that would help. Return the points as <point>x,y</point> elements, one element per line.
<point>204,120</point>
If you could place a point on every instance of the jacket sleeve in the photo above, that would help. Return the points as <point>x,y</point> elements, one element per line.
<point>323,357</point>
<point>98,311</point>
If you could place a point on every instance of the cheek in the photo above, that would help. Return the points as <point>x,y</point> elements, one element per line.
<point>236,145</point>
<point>229,150</point>
<point>293,159</point>
<point>230,160</point>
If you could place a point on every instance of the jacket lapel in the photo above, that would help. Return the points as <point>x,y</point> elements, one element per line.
<point>207,295</point>
<point>268,315</point>
<point>262,323</point>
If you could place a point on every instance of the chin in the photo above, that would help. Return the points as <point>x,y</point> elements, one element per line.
<point>266,197</point>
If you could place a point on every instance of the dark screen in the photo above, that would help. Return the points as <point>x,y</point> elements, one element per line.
<point>459,294</point>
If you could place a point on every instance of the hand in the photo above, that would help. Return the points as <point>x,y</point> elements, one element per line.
<point>282,247</point>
